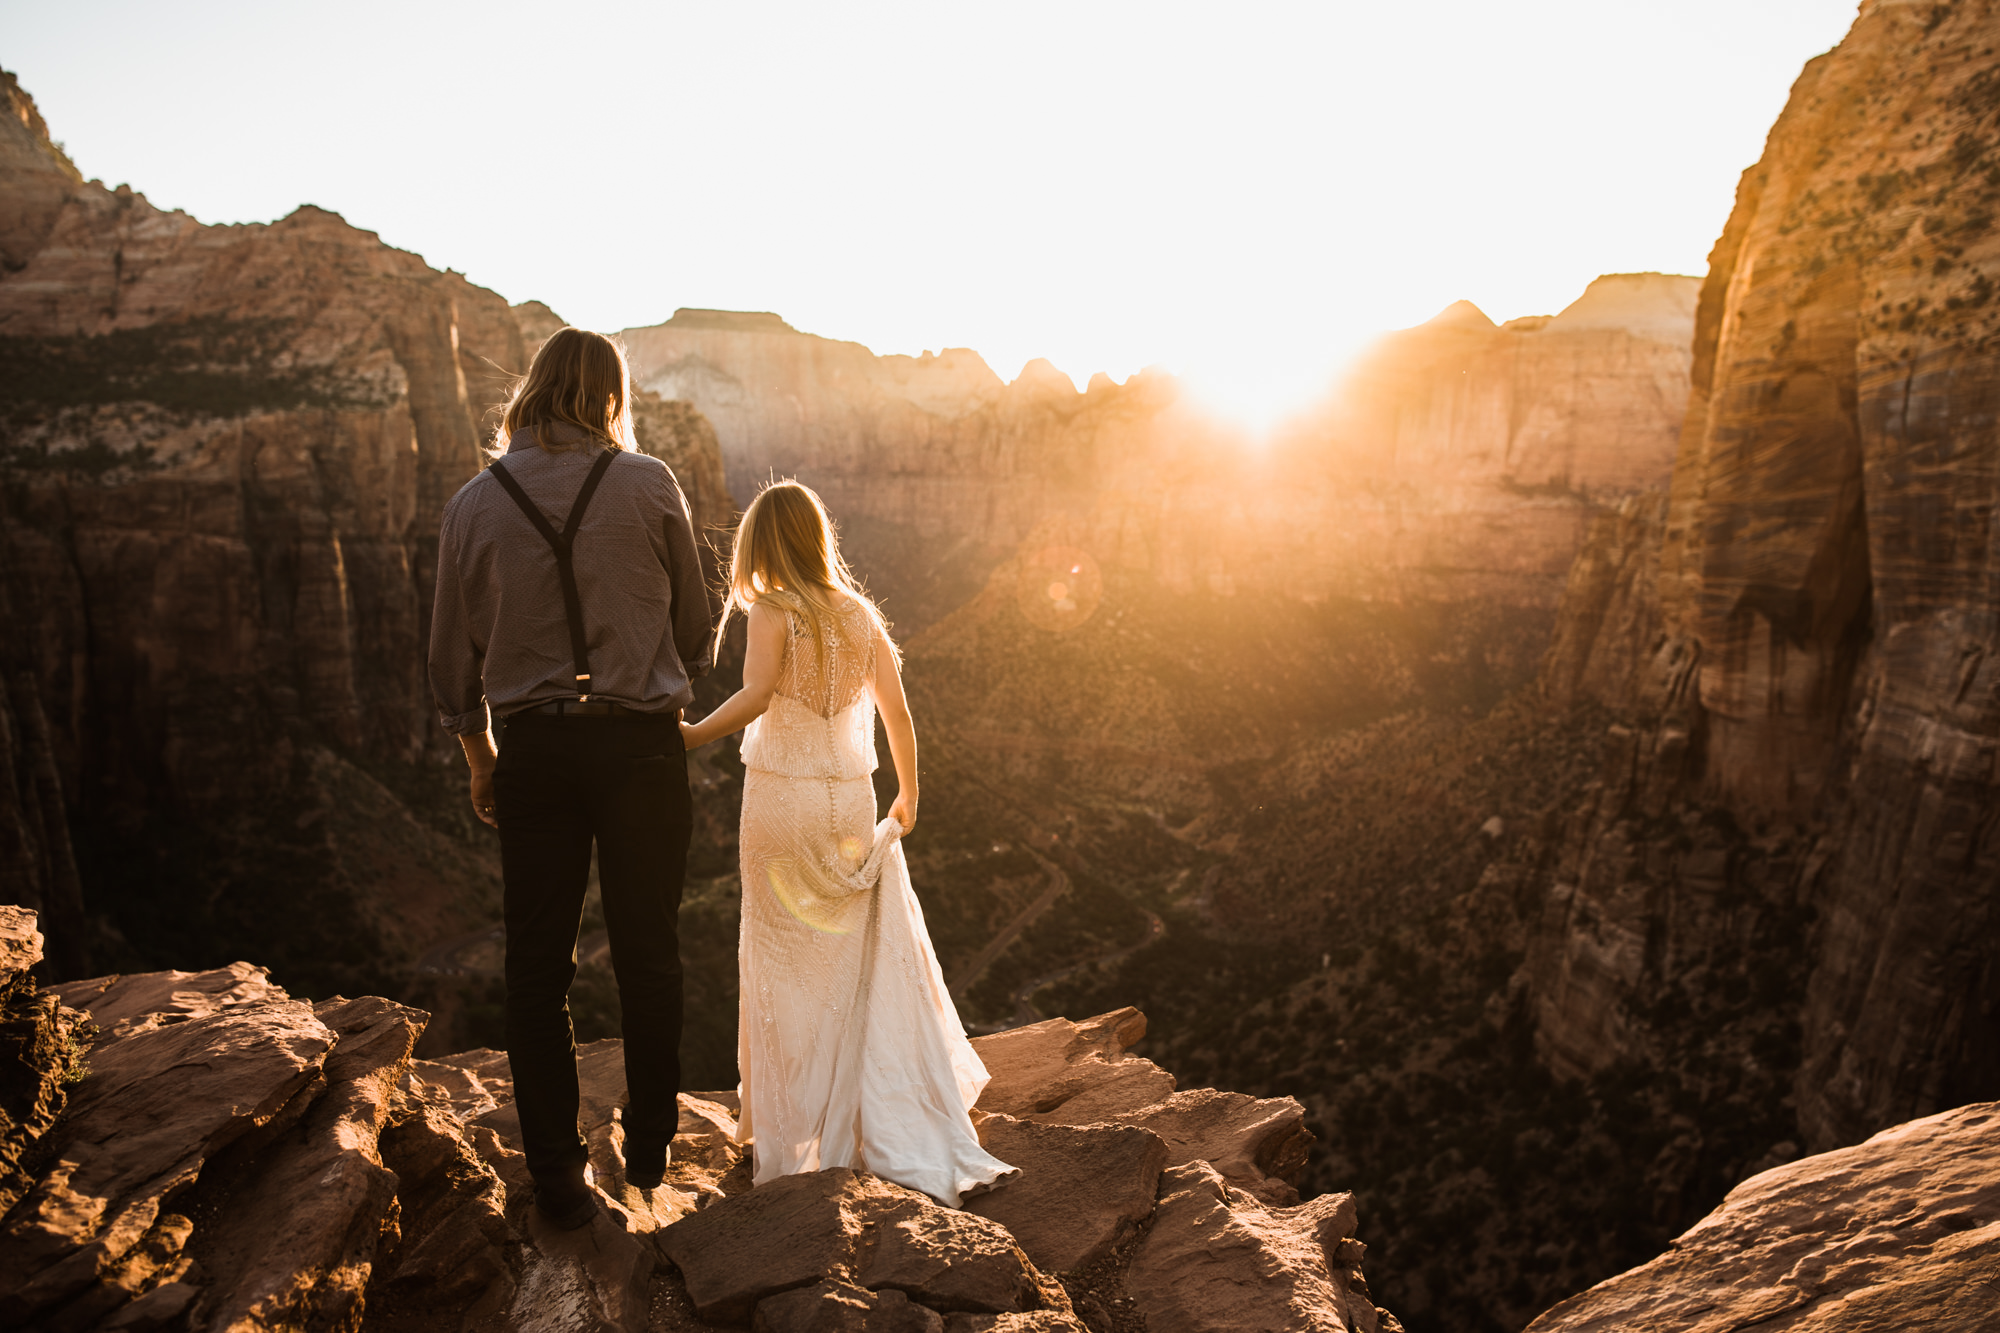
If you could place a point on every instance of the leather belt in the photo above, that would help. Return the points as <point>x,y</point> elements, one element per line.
<point>586,708</point>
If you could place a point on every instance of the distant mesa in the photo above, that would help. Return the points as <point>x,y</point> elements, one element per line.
<point>1041,373</point>
<point>1655,306</point>
<point>1459,314</point>
<point>538,323</point>
<point>734,321</point>
<point>1646,305</point>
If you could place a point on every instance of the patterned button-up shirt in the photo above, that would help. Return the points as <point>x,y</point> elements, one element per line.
<point>499,638</point>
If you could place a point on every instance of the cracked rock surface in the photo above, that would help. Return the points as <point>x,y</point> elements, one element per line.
<point>228,1157</point>
<point>1899,1232</point>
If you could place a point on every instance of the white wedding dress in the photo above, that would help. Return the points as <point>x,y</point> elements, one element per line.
<point>850,1049</point>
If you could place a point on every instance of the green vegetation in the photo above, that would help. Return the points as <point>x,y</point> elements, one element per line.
<point>77,1039</point>
<point>201,367</point>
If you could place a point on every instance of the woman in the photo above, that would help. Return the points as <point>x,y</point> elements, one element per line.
<point>850,1050</point>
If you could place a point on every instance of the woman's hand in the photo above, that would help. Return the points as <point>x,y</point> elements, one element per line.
<point>904,811</point>
<point>761,663</point>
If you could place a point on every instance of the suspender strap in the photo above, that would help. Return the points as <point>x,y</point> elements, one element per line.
<point>561,543</point>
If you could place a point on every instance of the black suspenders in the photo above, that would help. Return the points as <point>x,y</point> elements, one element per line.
<point>560,543</point>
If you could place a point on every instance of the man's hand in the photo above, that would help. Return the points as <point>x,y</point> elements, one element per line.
<point>480,756</point>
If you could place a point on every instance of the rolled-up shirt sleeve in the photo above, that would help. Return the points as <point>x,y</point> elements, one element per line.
<point>694,611</point>
<point>457,659</point>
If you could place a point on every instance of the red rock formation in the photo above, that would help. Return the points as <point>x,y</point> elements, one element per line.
<point>238,1158</point>
<point>225,449</point>
<point>36,176</point>
<point>1817,649</point>
<point>1895,1233</point>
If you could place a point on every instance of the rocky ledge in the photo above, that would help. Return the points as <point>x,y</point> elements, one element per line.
<point>1899,1232</point>
<point>201,1150</point>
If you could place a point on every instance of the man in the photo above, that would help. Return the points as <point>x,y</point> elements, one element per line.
<point>571,609</point>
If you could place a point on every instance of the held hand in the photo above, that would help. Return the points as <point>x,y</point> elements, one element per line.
<point>689,737</point>
<point>904,811</point>
<point>482,795</point>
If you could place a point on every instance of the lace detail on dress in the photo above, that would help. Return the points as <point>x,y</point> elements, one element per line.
<point>821,722</point>
<point>850,1048</point>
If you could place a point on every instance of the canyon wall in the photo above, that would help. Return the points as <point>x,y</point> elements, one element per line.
<point>1805,634</point>
<point>224,450</point>
<point>1464,459</point>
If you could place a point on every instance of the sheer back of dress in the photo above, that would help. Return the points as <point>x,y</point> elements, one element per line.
<point>831,677</point>
<point>821,722</point>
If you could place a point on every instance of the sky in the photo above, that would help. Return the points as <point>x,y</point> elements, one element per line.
<point>1245,194</point>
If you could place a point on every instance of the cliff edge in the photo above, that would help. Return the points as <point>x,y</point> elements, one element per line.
<point>203,1150</point>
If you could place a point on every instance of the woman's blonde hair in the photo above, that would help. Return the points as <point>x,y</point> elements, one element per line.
<point>579,379</point>
<point>787,554</point>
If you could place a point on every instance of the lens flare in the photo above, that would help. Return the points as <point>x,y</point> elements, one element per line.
<point>1059,587</point>
<point>793,890</point>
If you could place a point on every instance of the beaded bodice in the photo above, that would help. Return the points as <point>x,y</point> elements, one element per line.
<point>821,722</point>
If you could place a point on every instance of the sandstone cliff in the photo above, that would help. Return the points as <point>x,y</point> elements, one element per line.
<point>202,1150</point>
<point>1898,1232</point>
<point>1807,635</point>
<point>225,449</point>
<point>1468,458</point>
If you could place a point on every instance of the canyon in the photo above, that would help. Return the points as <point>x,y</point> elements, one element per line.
<point>1561,760</point>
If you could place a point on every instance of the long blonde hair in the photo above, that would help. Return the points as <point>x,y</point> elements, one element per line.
<point>787,554</point>
<point>579,379</point>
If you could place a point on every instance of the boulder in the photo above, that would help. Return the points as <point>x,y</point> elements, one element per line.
<point>20,943</point>
<point>124,1005</point>
<point>490,1067</point>
<point>838,1307</point>
<point>1258,1144</point>
<point>449,1250</point>
<point>799,1230</point>
<point>36,1053</point>
<point>1039,1069</point>
<point>707,1163</point>
<point>463,1092</point>
<point>1217,1260</point>
<point>291,1228</point>
<point>162,1099</point>
<point>1081,1190</point>
<point>1063,1073</point>
<point>1899,1232</point>
<point>598,1276</point>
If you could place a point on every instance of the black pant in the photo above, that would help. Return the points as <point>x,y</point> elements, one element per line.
<point>561,783</point>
